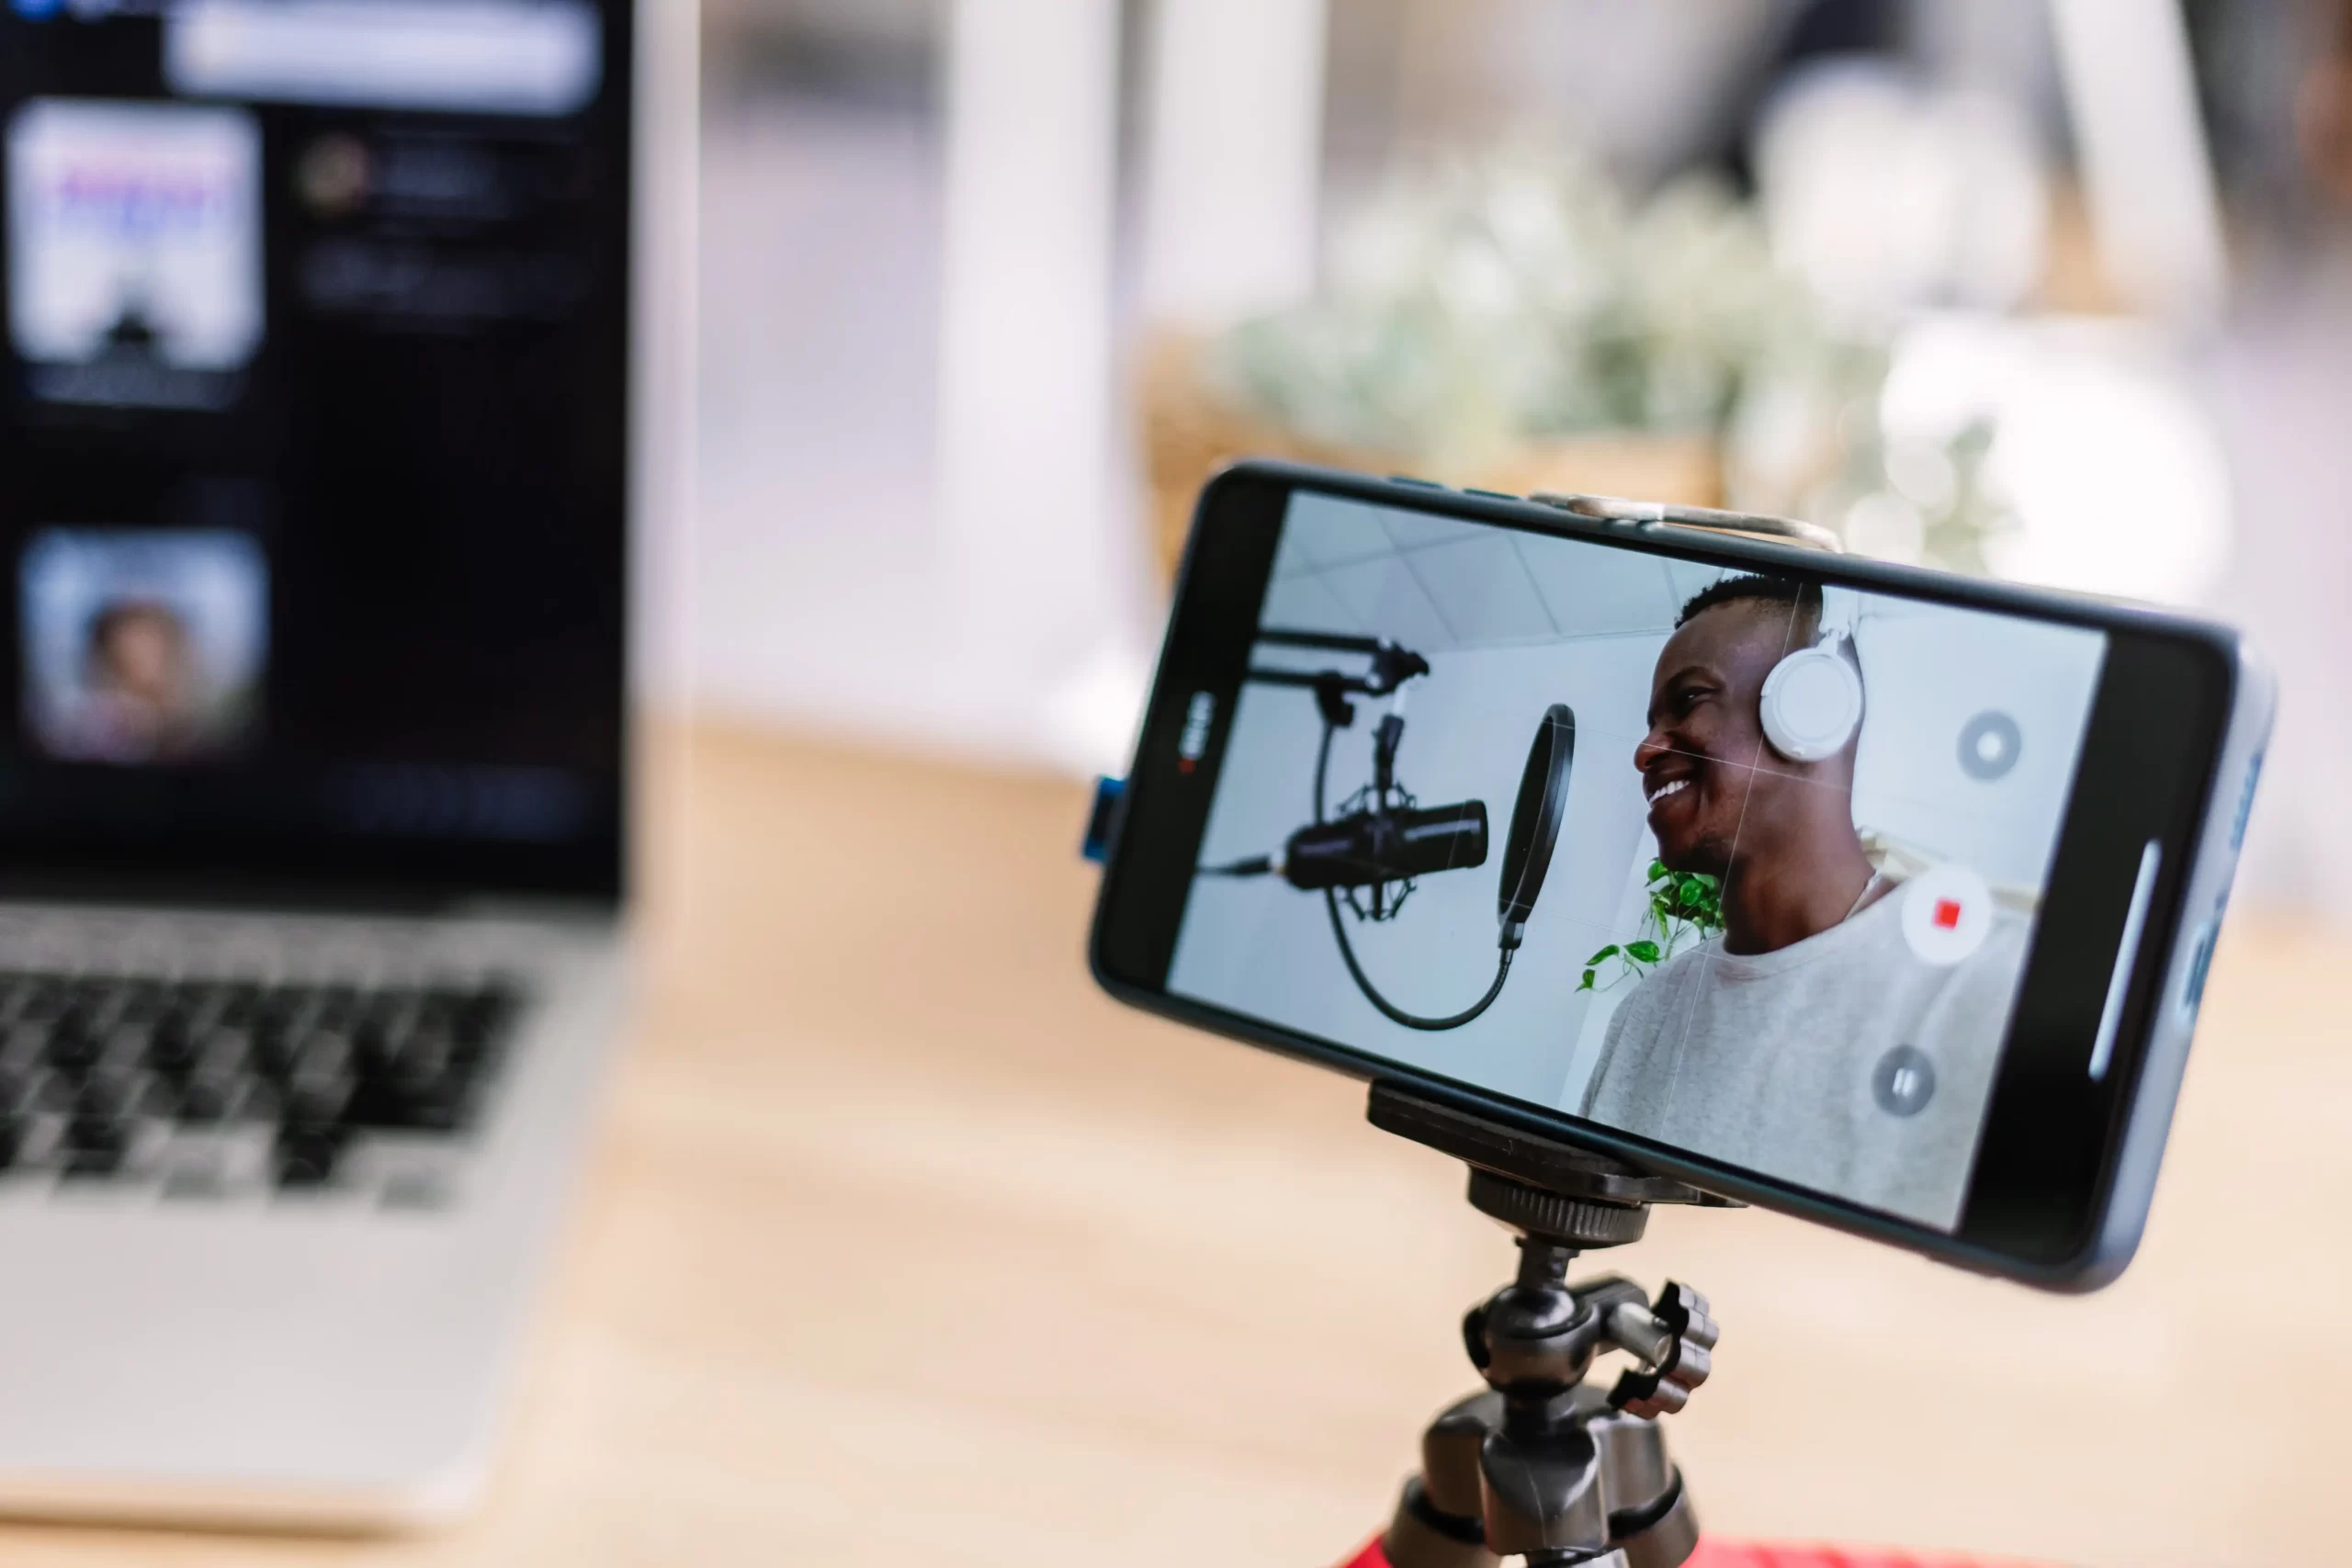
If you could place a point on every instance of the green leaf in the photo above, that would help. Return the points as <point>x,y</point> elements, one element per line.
<point>1645,950</point>
<point>1657,870</point>
<point>1609,951</point>
<point>1691,889</point>
<point>1586,984</point>
<point>1708,880</point>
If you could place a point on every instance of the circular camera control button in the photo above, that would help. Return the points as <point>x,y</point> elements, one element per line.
<point>1947,913</point>
<point>1904,1081</point>
<point>1989,745</point>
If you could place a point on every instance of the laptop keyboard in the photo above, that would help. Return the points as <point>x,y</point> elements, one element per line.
<point>214,1087</point>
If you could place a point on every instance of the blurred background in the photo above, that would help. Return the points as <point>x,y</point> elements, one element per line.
<point>2053,289</point>
<point>899,1230</point>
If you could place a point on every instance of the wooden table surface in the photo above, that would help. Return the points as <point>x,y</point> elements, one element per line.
<point>900,1244</point>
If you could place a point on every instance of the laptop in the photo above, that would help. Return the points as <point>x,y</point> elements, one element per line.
<point>315,431</point>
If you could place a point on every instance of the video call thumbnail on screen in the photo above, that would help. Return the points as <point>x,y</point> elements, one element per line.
<point>364,274</point>
<point>1856,1061</point>
<point>142,646</point>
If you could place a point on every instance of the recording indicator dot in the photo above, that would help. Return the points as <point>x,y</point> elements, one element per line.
<point>1947,914</point>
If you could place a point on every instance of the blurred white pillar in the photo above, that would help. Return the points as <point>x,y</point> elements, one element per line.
<point>2148,175</point>
<point>666,173</point>
<point>665,193</point>
<point>1233,157</point>
<point>1025,384</point>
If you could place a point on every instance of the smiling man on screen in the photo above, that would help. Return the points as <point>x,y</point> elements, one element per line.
<point>1840,1031</point>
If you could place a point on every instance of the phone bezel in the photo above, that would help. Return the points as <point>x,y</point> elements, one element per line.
<point>2088,1252</point>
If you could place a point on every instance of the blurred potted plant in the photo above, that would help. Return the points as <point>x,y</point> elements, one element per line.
<point>1517,324</point>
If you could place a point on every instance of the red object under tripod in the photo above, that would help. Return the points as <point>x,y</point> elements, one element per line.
<point>1714,1553</point>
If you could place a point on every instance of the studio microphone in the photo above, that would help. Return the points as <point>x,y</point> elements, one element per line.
<point>1387,838</point>
<point>1365,849</point>
<point>1370,849</point>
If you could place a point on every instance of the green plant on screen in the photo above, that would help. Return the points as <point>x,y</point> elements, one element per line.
<point>1681,903</point>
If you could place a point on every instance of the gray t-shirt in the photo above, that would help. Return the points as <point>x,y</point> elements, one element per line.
<point>1844,1063</point>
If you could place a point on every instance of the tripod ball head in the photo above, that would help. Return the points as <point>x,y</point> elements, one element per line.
<point>1543,1465</point>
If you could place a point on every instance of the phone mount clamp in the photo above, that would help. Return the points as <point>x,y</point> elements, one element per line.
<point>1544,1465</point>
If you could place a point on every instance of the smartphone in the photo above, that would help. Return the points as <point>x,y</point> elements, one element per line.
<point>1873,894</point>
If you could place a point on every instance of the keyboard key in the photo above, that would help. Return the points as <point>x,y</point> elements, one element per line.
<point>207,1100</point>
<point>386,1030</point>
<point>395,1008</point>
<point>174,1046</point>
<point>323,1055</point>
<point>259,1102</point>
<point>337,1007</point>
<point>55,1092</point>
<point>139,1001</point>
<point>95,1145</point>
<point>318,1100</point>
<point>224,1052</point>
<point>42,1001</point>
<point>98,1002</point>
<point>445,1105</point>
<point>375,1048</point>
<point>431,1046</point>
<point>286,1003</point>
<point>158,1099</point>
<point>125,1046</point>
<point>74,1043</point>
<point>232,1005</point>
<point>104,1097</point>
<point>481,1018</point>
<point>85,1165</point>
<point>381,1106</point>
<point>24,1044</point>
<point>307,1154</point>
<point>274,1048</point>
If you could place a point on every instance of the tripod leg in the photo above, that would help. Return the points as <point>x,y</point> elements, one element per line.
<point>1437,1519</point>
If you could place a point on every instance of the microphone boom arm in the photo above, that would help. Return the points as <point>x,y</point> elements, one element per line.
<point>1392,666</point>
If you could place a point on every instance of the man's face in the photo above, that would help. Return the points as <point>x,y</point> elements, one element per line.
<point>1701,759</point>
<point>144,655</point>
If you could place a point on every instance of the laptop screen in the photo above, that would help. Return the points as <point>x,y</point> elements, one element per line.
<point>312,447</point>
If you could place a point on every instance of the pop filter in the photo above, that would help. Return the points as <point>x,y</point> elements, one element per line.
<point>1535,820</point>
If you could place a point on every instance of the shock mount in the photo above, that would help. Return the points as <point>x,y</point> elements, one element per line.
<point>1544,1465</point>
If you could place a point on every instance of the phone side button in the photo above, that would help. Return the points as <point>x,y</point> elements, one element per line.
<point>2194,992</point>
<point>1103,819</point>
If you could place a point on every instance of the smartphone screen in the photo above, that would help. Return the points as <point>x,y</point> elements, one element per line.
<point>1835,887</point>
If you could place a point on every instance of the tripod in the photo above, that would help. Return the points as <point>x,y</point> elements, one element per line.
<point>1544,1465</point>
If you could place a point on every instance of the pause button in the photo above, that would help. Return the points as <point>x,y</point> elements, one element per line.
<point>1904,1081</point>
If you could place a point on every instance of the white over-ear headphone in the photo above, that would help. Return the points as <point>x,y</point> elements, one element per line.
<point>1813,699</point>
